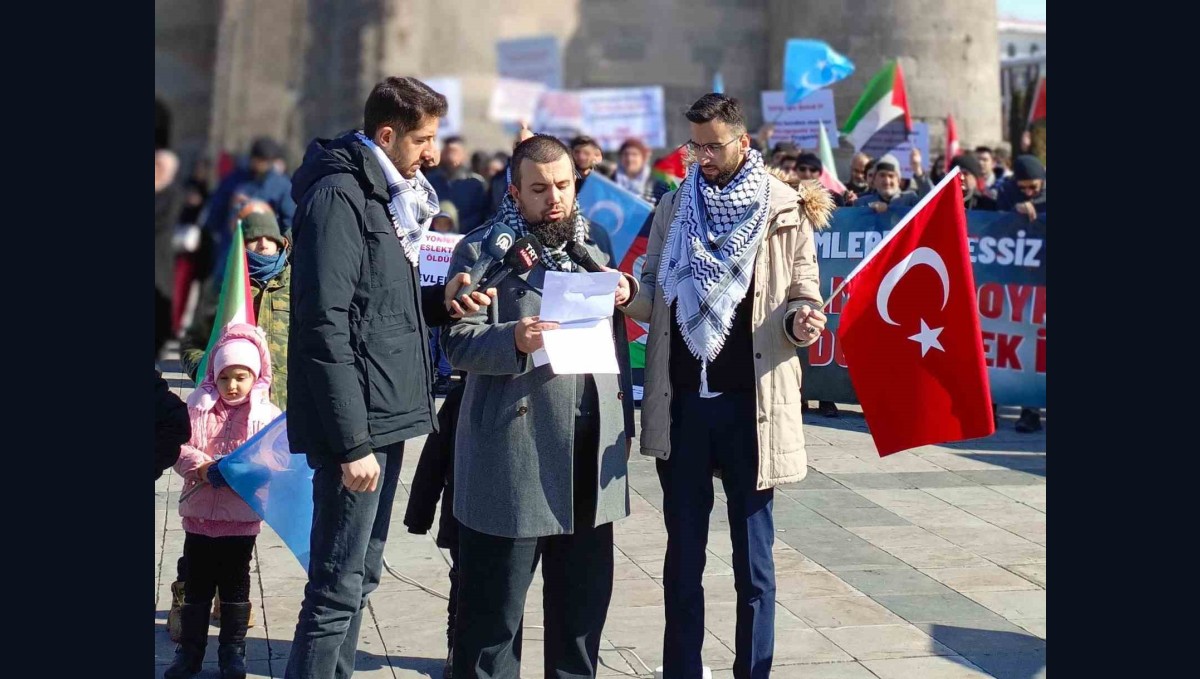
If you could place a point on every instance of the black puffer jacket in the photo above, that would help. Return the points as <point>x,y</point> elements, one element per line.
<point>172,427</point>
<point>358,357</point>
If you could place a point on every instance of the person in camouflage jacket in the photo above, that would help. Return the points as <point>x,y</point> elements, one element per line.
<point>268,257</point>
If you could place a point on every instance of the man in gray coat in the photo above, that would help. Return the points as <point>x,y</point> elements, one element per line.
<point>540,459</point>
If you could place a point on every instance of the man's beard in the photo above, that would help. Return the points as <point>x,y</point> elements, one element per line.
<point>556,234</point>
<point>726,174</point>
<point>889,194</point>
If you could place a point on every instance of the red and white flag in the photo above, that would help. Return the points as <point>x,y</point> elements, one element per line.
<point>952,147</point>
<point>910,330</point>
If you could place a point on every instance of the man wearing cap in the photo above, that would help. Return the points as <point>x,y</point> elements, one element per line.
<point>973,179</point>
<point>258,180</point>
<point>809,168</point>
<point>1025,193</point>
<point>270,287</point>
<point>886,191</point>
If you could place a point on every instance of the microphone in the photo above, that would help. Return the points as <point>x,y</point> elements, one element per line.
<point>579,254</point>
<point>520,258</point>
<point>500,239</point>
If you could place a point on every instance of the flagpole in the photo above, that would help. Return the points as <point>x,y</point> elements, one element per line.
<point>892,234</point>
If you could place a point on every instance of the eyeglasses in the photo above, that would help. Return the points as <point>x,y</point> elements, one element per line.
<point>709,150</point>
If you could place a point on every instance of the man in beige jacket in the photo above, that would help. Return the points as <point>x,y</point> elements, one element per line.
<point>730,290</point>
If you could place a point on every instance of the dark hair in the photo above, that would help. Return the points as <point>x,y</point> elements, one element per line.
<point>584,140</point>
<point>453,140</point>
<point>713,106</point>
<point>402,104</point>
<point>984,149</point>
<point>540,148</point>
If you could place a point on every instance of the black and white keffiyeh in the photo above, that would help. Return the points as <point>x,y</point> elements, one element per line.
<point>708,259</point>
<point>555,259</point>
<point>413,202</point>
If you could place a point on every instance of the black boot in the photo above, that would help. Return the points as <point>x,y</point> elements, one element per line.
<point>231,653</point>
<point>193,639</point>
<point>1029,422</point>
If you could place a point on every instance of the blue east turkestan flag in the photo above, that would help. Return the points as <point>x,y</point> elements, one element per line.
<point>618,211</point>
<point>809,65</point>
<point>275,483</point>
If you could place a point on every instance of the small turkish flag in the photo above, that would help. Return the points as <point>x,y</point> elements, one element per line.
<point>910,330</point>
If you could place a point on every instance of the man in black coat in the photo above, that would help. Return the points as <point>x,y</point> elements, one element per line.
<point>358,362</point>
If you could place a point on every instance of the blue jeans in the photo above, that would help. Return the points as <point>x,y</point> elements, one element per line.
<point>708,433</point>
<point>344,566</point>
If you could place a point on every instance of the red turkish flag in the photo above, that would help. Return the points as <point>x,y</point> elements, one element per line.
<point>952,146</point>
<point>1038,110</point>
<point>910,330</point>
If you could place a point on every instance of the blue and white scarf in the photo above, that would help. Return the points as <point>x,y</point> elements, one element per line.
<point>413,202</point>
<point>708,259</point>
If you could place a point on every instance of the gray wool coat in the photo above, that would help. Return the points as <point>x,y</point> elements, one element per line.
<point>514,447</point>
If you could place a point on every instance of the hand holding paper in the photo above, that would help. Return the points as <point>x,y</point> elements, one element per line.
<point>582,305</point>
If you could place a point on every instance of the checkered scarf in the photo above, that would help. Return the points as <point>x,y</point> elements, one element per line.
<point>708,259</point>
<point>413,202</point>
<point>555,259</point>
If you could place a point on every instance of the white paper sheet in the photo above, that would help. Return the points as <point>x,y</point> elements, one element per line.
<point>582,304</point>
<point>582,347</point>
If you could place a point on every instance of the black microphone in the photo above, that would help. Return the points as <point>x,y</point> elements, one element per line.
<point>499,241</point>
<point>519,259</point>
<point>579,254</point>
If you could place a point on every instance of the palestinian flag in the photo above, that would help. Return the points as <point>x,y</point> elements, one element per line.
<point>1038,110</point>
<point>236,301</point>
<point>880,120</point>
<point>829,178</point>
<point>672,169</point>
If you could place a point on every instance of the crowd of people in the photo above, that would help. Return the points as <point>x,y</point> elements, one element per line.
<point>528,466</point>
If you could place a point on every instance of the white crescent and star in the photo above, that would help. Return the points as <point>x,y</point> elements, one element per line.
<point>612,207</point>
<point>928,337</point>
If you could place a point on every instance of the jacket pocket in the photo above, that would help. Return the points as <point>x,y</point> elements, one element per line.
<point>384,252</point>
<point>394,369</point>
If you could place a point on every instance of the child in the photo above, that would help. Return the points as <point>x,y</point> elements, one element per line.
<point>270,274</point>
<point>229,407</point>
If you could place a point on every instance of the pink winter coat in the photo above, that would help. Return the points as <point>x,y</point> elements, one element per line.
<point>217,430</point>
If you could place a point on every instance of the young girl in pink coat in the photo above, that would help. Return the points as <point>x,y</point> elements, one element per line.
<point>229,407</point>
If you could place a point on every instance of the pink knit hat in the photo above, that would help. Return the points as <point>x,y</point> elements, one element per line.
<point>237,352</point>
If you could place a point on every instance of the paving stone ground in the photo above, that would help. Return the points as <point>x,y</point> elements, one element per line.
<point>927,564</point>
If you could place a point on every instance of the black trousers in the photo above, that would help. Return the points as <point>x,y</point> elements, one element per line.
<point>217,563</point>
<point>494,574</point>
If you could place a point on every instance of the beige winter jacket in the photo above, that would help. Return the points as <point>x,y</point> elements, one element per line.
<point>785,276</point>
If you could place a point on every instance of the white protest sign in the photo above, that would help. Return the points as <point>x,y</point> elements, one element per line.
<point>451,89</point>
<point>514,100</point>
<point>919,138</point>
<point>800,122</point>
<point>559,114</point>
<point>536,59</point>
<point>434,261</point>
<point>612,115</point>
